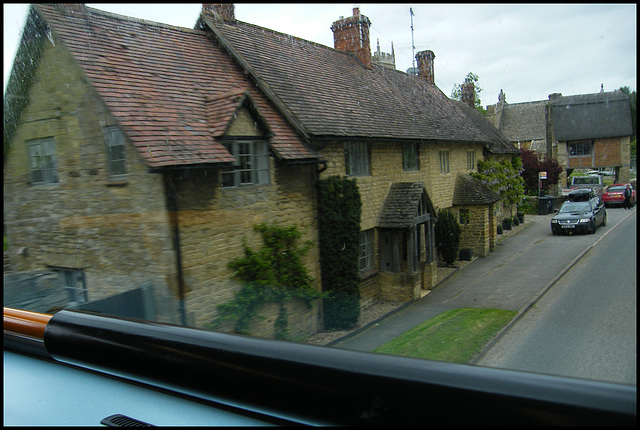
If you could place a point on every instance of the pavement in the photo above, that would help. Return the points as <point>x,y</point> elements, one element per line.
<point>504,280</point>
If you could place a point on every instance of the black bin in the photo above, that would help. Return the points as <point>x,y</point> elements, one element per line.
<point>544,205</point>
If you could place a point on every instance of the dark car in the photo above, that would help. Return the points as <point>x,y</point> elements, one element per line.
<point>614,195</point>
<point>582,213</point>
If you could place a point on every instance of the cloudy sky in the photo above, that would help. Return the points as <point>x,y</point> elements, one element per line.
<point>529,51</point>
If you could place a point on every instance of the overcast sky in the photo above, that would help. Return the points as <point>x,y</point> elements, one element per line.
<point>529,51</point>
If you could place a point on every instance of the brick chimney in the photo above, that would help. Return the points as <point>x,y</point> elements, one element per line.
<point>468,93</point>
<point>219,12</point>
<point>352,35</point>
<point>425,66</point>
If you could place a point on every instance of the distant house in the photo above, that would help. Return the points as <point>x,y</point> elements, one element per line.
<point>524,124</point>
<point>592,131</point>
<point>143,153</point>
<point>587,131</point>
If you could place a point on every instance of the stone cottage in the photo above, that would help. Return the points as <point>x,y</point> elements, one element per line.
<point>398,135</point>
<point>140,154</point>
<point>143,153</point>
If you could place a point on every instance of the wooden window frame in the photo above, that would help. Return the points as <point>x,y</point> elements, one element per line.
<point>43,165</point>
<point>116,157</point>
<point>357,159</point>
<point>445,166</point>
<point>367,248</point>
<point>251,167</point>
<point>471,160</point>
<point>580,149</point>
<point>410,157</point>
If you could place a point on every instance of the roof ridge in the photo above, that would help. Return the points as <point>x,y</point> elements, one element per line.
<point>133,19</point>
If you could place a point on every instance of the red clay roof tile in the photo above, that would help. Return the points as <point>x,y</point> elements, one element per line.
<point>155,79</point>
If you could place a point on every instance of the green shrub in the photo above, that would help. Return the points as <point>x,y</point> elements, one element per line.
<point>274,273</point>
<point>447,233</point>
<point>339,211</point>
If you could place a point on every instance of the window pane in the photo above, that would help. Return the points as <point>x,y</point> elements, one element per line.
<point>251,166</point>
<point>357,159</point>
<point>42,161</point>
<point>114,138</point>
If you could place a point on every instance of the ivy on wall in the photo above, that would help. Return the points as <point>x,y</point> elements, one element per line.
<point>273,274</point>
<point>339,211</point>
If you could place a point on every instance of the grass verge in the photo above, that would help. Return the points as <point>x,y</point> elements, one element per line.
<point>454,336</point>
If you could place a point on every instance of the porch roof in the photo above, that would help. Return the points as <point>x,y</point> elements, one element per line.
<point>401,205</point>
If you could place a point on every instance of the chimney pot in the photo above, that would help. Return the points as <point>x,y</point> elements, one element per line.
<point>351,35</point>
<point>425,66</point>
<point>224,12</point>
<point>468,93</point>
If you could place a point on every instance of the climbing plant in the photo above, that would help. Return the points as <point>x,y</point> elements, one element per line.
<point>447,235</point>
<point>504,178</point>
<point>273,274</point>
<point>339,211</point>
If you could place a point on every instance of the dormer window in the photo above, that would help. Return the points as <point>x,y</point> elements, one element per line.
<point>116,163</point>
<point>251,166</point>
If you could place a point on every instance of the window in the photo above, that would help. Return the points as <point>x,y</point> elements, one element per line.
<point>74,283</point>
<point>464,216</point>
<point>114,137</point>
<point>251,166</point>
<point>366,250</point>
<point>357,159</point>
<point>579,149</point>
<point>444,161</point>
<point>410,156</point>
<point>471,160</point>
<point>43,168</point>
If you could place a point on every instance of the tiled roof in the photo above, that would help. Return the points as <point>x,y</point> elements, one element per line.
<point>524,121</point>
<point>156,80</point>
<point>470,191</point>
<point>331,94</point>
<point>498,143</point>
<point>591,116</point>
<point>400,208</point>
<point>222,108</point>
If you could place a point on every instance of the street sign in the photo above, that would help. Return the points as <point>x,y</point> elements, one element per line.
<point>543,175</point>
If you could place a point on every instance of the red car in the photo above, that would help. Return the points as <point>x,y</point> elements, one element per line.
<point>614,195</point>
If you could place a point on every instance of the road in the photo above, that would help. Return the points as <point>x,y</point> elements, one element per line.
<point>585,326</point>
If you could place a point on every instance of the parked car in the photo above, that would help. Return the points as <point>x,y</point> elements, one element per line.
<point>600,172</point>
<point>614,195</point>
<point>583,212</point>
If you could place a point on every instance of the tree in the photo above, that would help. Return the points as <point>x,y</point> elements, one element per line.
<point>532,166</point>
<point>447,235</point>
<point>339,211</point>
<point>456,92</point>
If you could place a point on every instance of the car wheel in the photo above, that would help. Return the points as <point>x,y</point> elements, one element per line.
<point>604,220</point>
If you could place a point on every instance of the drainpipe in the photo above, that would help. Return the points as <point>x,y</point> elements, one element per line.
<point>173,220</point>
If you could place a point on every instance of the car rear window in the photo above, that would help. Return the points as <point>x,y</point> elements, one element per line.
<point>575,207</point>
